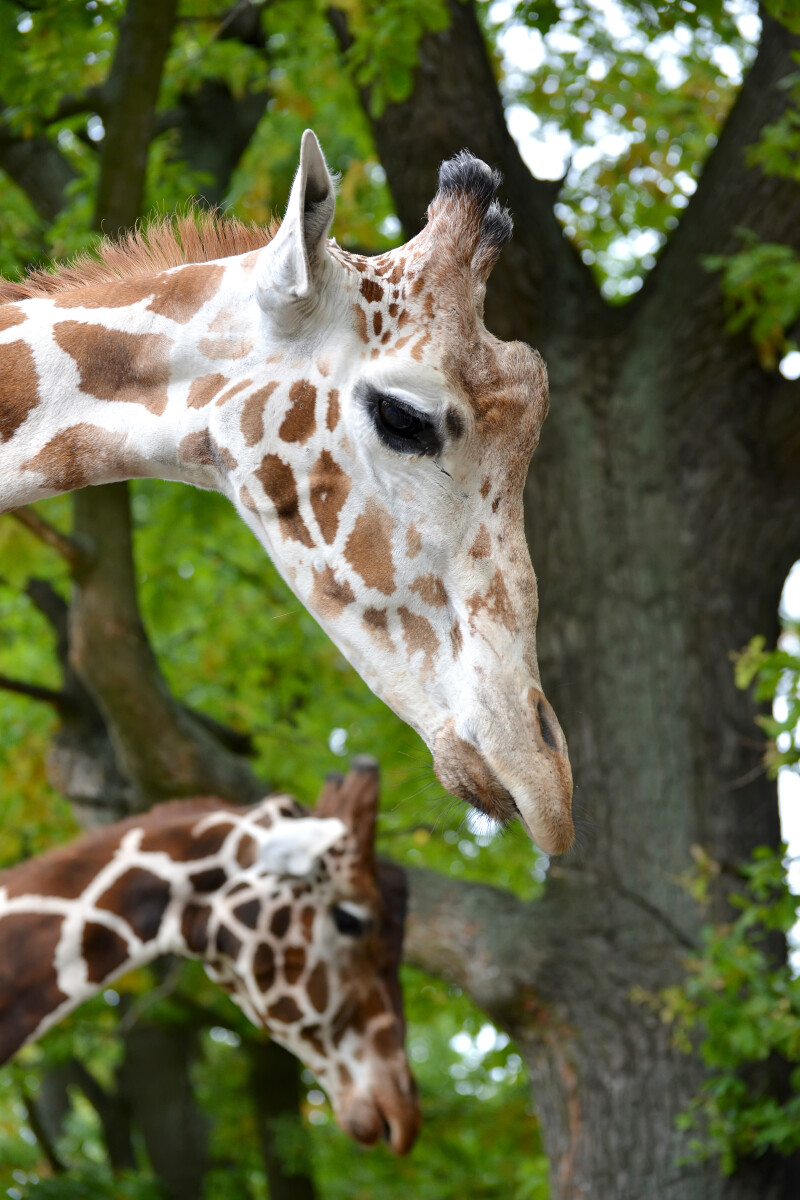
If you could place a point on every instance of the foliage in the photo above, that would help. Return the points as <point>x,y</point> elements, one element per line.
<point>761,286</point>
<point>740,1002</point>
<point>740,1007</point>
<point>775,675</point>
<point>637,93</point>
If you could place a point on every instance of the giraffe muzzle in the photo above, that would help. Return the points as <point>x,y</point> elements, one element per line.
<point>513,772</point>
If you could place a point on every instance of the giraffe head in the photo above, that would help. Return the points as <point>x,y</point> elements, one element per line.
<point>307,938</point>
<point>389,490</point>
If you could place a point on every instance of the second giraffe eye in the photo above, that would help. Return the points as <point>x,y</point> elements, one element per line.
<point>347,922</point>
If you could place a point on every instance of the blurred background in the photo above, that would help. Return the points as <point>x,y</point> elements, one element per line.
<point>611,1025</point>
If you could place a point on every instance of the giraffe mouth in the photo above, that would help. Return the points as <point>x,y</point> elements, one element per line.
<point>542,801</point>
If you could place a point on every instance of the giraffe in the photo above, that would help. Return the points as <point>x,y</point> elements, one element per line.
<point>290,913</point>
<point>364,423</point>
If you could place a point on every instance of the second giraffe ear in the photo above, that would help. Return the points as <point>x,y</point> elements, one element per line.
<point>292,847</point>
<point>290,266</point>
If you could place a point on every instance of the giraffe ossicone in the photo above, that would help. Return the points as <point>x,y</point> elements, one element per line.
<point>292,914</point>
<point>370,431</point>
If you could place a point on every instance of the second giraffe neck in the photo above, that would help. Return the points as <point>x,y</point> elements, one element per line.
<point>70,924</point>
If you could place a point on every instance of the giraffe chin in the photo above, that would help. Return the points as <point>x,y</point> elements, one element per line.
<point>545,809</point>
<point>368,1122</point>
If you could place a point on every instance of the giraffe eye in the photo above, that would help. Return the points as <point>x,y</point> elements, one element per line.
<point>398,420</point>
<point>347,922</point>
<point>400,426</point>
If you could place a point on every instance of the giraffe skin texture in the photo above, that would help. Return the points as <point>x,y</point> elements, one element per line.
<point>290,913</point>
<point>370,431</point>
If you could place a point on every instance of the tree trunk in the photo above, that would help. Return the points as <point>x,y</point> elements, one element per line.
<point>275,1081</point>
<point>154,1080</point>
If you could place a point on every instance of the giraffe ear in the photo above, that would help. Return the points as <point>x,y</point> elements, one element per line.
<point>290,265</point>
<point>292,847</point>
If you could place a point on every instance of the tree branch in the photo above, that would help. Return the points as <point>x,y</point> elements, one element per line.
<point>69,548</point>
<point>39,169</point>
<point>732,195</point>
<point>34,691</point>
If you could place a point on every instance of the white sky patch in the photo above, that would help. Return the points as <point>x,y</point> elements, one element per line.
<point>545,149</point>
<point>789,366</point>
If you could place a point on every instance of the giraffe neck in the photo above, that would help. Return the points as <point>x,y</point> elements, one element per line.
<point>124,380</point>
<point>69,924</point>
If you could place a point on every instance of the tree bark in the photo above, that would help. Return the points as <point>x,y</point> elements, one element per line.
<point>275,1082</point>
<point>155,1082</point>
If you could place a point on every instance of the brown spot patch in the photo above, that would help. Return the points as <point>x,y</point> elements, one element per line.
<point>247,500</point>
<point>371,290</point>
<point>386,1040</point>
<point>294,963</point>
<point>456,639</point>
<point>204,389</point>
<point>208,881</point>
<point>329,596</point>
<point>28,986</point>
<point>11,316</point>
<point>345,1078</point>
<point>104,951</point>
<point>307,922</point>
<point>377,322</point>
<point>369,547</point>
<point>194,927</point>
<point>201,449</point>
<point>246,851</point>
<point>224,347</point>
<point>300,421</point>
<point>284,1010</point>
<point>329,489</point>
<point>361,322</point>
<point>496,603</point>
<point>264,967</point>
<point>413,541</point>
<point>62,872</point>
<point>184,292</point>
<point>482,546</point>
<point>486,487</point>
<point>141,898</point>
<point>19,390</point>
<point>377,623</point>
<point>280,922</point>
<point>231,392</point>
<point>113,365</point>
<point>80,455</point>
<point>253,414</point>
<point>248,912</point>
<point>318,987</point>
<point>418,634</point>
<point>277,479</point>
<point>311,1035</point>
<point>228,943</point>
<point>431,589</point>
<point>332,419</point>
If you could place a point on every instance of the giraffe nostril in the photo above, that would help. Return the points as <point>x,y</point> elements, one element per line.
<point>548,733</point>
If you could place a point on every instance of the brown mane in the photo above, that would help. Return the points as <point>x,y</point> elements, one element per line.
<point>195,236</point>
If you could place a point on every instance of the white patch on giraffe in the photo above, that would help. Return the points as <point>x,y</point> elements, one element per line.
<point>293,847</point>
